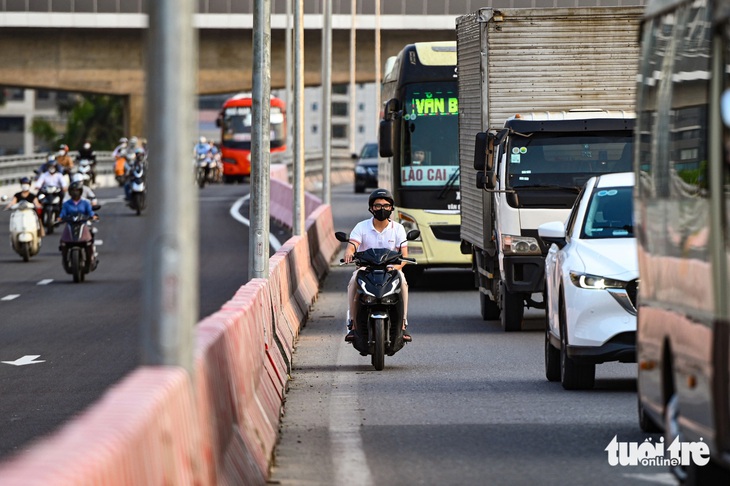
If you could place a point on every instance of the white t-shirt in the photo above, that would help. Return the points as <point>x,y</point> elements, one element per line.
<point>368,237</point>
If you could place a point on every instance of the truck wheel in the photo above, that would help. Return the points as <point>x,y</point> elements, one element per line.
<point>489,308</point>
<point>513,309</point>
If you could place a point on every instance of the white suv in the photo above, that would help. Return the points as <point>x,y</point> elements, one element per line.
<point>591,281</point>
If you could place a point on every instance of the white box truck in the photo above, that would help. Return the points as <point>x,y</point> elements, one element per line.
<point>546,100</point>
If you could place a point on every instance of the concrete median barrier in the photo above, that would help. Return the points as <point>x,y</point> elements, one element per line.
<point>157,426</point>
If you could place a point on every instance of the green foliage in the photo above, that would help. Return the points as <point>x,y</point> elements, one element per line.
<point>43,130</point>
<point>97,118</point>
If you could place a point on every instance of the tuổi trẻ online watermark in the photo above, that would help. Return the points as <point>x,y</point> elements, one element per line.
<point>651,453</point>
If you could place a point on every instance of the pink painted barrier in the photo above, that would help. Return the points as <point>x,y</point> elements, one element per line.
<point>156,427</point>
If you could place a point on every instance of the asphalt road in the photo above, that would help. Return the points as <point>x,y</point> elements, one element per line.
<point>464,404</point>
<point>86,335</point>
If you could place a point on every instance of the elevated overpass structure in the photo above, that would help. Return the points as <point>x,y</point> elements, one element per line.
<point>98,46</point>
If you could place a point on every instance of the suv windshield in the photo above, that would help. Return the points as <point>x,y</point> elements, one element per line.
<point>369,151</point>
<point>609,214</point>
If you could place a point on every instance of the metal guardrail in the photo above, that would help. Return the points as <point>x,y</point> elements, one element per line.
<point>14,167</point>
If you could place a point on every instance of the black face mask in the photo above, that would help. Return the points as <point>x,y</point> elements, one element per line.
<point>381,214</point>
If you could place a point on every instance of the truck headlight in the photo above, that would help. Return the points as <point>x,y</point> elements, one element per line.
<point>408,222</point>
<point>595,282</point>
<point>520,245</point>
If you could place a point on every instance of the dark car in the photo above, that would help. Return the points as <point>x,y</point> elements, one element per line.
<point>366,170</point>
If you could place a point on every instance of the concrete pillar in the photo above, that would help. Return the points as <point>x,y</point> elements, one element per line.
<point>134,115</point>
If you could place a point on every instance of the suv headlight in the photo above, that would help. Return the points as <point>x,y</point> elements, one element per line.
<point>360,170</point>
<point>520,245</point>
<point>595,282</point>
<point>408,222</point>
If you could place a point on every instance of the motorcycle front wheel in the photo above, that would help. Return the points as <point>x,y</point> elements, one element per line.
<point>48,220</point>
<point>25,251</point>
<point>378,358</point>
<point>77,268</point>
<point>138,202</point>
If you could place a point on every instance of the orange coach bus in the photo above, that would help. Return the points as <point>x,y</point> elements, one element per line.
<point>235,120</point>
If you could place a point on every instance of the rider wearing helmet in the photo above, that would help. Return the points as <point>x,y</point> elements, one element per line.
<point>51,177</point>
<point>377,232</point>
<point>86,191</point>
<point>65,162</point>
<point>118,151</point>
<point>76,204</point>
<point>26,195</point>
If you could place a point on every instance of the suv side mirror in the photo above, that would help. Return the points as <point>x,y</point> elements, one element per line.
<point>553,232</point>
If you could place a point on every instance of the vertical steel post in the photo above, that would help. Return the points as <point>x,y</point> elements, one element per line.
<point>353,74</point>
<point>287,74</point>
<point>327,101</point>
<point>170,280</point>
<point>377,62</point>
<point>299,215</point>
<point>258,248</point>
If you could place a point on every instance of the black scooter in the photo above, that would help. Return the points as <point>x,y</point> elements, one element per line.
<point>379,326</point>
<point>78,251</point>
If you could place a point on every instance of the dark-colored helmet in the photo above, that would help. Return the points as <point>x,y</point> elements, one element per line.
<point>380,194</point>
<point>25,180</point>
<point>76,189</point>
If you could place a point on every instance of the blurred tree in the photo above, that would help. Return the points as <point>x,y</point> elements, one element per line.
<point>97,118</point>
<point>93,117</point>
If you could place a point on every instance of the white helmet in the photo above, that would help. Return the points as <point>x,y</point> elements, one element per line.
<point>77,178</point>
<point>203,140</point>
<point>123,140</point>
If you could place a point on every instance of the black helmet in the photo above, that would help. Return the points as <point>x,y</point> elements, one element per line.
<point>380,194</point>
<point>76,189</point>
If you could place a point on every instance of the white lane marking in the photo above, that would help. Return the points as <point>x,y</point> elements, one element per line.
<point>11,297</point>
<point>98,242</point>
<point>25,360</point>
<point>658,478</point>
<point>348,456</point>
<point>45,281</point>
<point>273,241</point>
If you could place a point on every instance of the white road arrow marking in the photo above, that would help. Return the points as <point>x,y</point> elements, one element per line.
<point>11,297</point>
<point>25,360</point>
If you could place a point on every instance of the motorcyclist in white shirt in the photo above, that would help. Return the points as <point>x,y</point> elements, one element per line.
<point>51,177</point>
<point>377,232</point>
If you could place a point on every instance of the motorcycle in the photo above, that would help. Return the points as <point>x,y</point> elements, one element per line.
<point>50,199</point>
<point>78,252</point>
<point>25,229</point>
<point>138,194</point>
<point>202,168</point>
<point>120,168</point>
<point>379,326</point>
<point>87,170</point>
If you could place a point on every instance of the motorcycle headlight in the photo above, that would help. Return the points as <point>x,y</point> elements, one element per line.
<point>595,282</point>
<point>368,299</point>
<point>520,245</point>
<point>408,222</point>
<point>391,299</point>
<point>365,291</point>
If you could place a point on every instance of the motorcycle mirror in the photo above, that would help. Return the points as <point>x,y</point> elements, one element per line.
<point>413,235</point>
<point>342,236</point>
<point>3,198</point>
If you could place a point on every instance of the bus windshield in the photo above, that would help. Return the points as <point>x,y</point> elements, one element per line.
<point>431,138</point>
<point>551,159</point>
<point>237,122</point>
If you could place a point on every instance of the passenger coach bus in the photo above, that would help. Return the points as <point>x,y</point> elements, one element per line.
<point>235,122</point>
<point>419,137</point>
<point>682,210</point>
